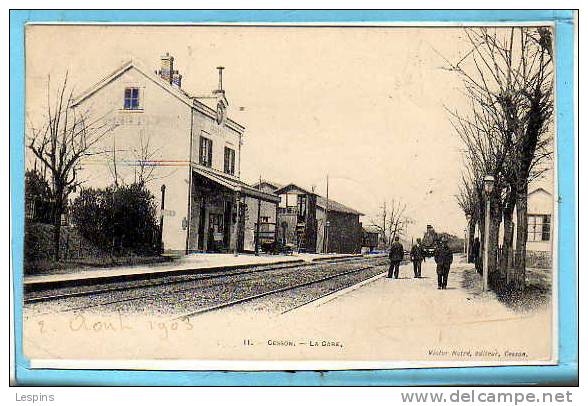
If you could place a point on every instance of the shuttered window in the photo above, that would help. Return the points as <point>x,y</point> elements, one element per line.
<point>229,161</point>
<point>205,151</point>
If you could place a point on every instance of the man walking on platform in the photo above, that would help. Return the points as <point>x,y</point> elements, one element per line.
<point>417,255</point>
<point>443,258</point>
<point>396,256</point>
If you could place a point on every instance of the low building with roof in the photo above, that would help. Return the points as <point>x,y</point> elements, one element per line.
<point>309,222</point>
<point>190,145</point>
<point>540,227</point>
<point>370,238</point>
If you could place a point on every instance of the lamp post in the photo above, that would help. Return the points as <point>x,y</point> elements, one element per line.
<point>161,215</point>
<point>488,188</point>
<point>467,238</point>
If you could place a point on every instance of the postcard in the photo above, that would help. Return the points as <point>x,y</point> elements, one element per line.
<point>289,197</point>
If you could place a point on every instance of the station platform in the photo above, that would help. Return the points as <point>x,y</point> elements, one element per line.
<point>410,319</point>
<point>199,262</point>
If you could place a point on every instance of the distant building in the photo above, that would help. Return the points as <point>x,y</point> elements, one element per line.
<point>196,152</point>
<point>370,238</point>
<point>304,218</point>
<point>540,227</point>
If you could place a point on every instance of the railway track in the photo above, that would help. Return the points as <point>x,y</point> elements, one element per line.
<point>110,287</point>
<point>204,292</point>
<point>275,291</point>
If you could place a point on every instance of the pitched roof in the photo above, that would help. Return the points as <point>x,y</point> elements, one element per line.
<point>233,183</point>
<point>539,189</point>
<point>269,183</point>
<point>320,200</point>
<point>335,206</point>
<point>370,228</point>
<point>180,94</point>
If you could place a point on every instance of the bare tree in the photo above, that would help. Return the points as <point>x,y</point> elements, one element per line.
<point>468,200</point>
<point>392,220</point>
<point>145,167</point>
<point>64,139</point>
<point>507,76</point>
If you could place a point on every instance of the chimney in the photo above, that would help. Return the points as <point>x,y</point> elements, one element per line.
<point>220,81</point>
<point>167,67</point>
<point>176,79</point>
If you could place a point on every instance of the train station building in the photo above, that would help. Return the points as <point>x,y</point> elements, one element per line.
<point>194,149</point>
<point>309,222</point>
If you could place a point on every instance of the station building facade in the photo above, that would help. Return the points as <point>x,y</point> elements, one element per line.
<point>192,148</point>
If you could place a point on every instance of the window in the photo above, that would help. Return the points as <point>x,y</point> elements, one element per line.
<point>539,227</point>
<point>132,98</point>
<point>301,208</point>
<point>229,161</point>
<point>215,223</point>
<point>205,151</point>
<point>291,200</point>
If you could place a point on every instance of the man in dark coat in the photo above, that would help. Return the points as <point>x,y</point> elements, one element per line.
<point>417,255</point>
<point>396,256</point>
<point>443,258</point>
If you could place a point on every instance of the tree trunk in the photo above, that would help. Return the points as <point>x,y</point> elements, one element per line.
<point>507,241</point>
<point>493,274</point>
<point>506,259</point>
<point>57,211</point>
<point>471,237</point>
<point>494,280</point>
<point>482,228</point>
<point>519,269</point>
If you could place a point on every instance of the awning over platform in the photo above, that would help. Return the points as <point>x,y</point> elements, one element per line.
<point>233,183</point>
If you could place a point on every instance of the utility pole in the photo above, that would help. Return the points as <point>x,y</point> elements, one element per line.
<point>258,217</point>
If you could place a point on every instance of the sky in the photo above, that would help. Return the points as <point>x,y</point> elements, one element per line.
<point>367,106</point>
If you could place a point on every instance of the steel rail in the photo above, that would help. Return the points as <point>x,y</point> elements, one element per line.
<point>271,292</point>
<point>199,277</point>
<point>183,279</point>
<point>326,294</point>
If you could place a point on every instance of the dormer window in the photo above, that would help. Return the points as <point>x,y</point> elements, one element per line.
<point>132,98</point>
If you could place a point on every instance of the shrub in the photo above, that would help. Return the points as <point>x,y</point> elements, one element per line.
<point>118,219</point>
<point>37,198</point>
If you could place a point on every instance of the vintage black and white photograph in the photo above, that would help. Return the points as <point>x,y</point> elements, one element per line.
<point>289,196</point>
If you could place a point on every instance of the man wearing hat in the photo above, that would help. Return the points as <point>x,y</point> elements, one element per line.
<point>396,256</point>
<point>417,255</point>
<point>443,258</point>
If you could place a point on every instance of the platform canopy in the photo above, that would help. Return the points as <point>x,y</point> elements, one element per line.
<point>234,184</point>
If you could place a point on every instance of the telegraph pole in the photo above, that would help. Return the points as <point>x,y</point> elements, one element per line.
<point>258,217</point>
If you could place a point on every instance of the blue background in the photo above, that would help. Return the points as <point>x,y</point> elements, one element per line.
<point>564,373</point>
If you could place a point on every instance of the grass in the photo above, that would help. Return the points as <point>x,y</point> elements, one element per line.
<point>50,267</point>
<point>537,292</point>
